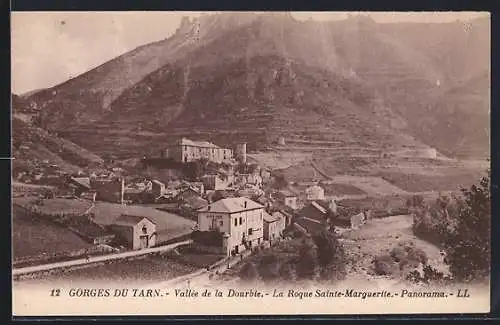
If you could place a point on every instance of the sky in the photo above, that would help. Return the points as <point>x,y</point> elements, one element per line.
<point>48,48</point>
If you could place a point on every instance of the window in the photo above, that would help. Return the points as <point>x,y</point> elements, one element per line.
<point>235,221</point>
<point>241,221</point>
<point>250,231</point>
<point>144,230</point>
<point>221,223</point>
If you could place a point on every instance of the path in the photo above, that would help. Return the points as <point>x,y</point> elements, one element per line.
<point>201,277</point>
<point>96,259</point>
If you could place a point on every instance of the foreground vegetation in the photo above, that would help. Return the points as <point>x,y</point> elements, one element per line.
<point>461,225</point>
<point>320,258</point>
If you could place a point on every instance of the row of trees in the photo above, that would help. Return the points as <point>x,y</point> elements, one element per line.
<point>461,225</point>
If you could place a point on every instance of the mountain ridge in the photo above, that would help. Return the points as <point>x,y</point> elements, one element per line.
<point>391,73</point>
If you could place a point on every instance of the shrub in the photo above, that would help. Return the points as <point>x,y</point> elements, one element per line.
<point>385,265</point>
<point>286,272</point>
<point>249,272</point>
<point>269,267</point>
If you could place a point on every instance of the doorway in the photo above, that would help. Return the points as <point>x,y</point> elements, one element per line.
<point>144,242</point>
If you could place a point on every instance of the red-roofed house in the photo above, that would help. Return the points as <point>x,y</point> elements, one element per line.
<point>138,232</point>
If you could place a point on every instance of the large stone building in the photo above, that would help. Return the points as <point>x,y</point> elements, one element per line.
<point>186,150</point>
<point>239,219</point>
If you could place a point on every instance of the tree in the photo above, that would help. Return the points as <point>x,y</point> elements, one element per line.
<point>331,255</point>
<point>468,245</point>
<point>307,261</point>
<point>249,272</point>
<point>269,267</point>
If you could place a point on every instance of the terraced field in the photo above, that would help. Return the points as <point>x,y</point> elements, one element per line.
<point>32,237</point>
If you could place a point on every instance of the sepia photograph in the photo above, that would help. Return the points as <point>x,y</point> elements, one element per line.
<point>250,163</point>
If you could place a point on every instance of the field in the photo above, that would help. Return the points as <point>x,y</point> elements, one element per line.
<point>419,182</point>
<point>369,184</point>
<point>339,189</point>
<point>168,225</point>
<point>278,159</point>
<point>56,206</point>
<point>32,237</point>
<point>375,176</point>
<point>137,271</point>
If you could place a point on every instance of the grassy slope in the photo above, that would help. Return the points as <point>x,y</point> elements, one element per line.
<point>44,146</point>
<point>33,237</point>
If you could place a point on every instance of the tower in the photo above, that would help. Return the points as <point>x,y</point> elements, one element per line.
<point>241,152</point>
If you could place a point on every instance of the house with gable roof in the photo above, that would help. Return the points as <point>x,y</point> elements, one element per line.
<point>239,219</point>
<point>136,231</point>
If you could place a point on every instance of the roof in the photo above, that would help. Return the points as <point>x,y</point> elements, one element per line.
<point>129,220</point>
<point>83,181</point>
<point>269,218</point>
<point>314,188</point>
<point>196,202</point>
<point>204,144</point>
<point>318,206</point>
<point>314,211</point>
<point>287,193</point>
<point>310,225</point>
<point>154,181</point>
<point>231,205</point>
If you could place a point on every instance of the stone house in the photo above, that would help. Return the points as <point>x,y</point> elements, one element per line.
<point>239,219</point>
<point>138,232</point>
<point>186,150</point>
<point>273,226</point>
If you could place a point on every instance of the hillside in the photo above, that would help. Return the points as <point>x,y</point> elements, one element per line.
<point>257,77</point>
<point>33,146</point>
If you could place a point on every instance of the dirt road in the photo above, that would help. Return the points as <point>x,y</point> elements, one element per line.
<point>95,259</point>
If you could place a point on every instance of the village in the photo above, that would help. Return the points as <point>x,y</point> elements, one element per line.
<point>220,208</point>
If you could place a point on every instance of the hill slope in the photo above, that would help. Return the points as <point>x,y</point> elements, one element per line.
<point>257,77</point>
<point>32,146</point>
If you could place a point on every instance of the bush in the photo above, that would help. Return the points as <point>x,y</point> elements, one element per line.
<point>385,265</point>
<point>430,275</point>
<point>286,272</point>
<point>269,267</point>
<point>249,272</point>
